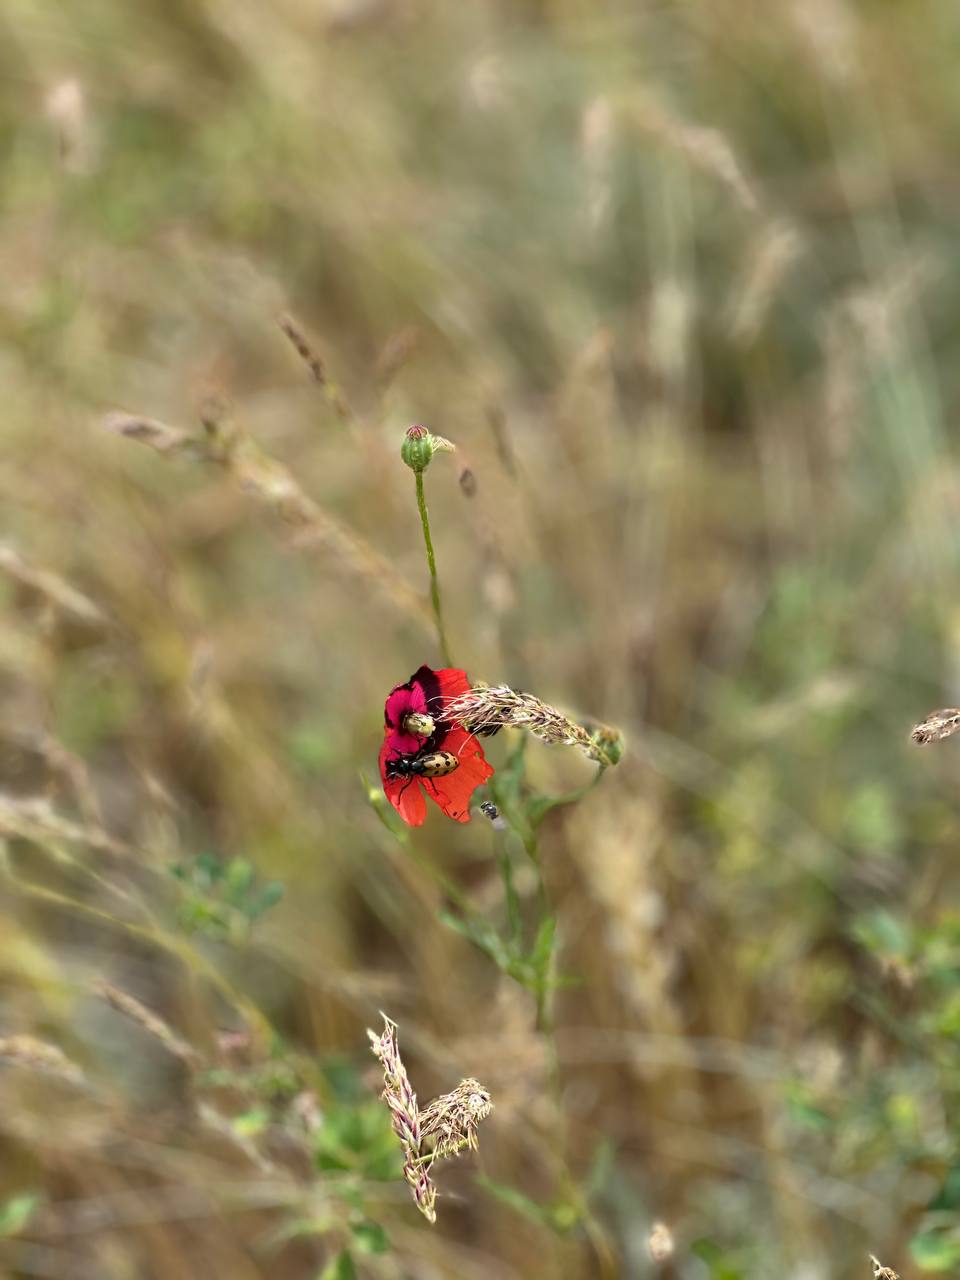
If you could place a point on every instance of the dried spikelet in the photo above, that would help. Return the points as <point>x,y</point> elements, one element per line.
<point>34,818</point>
<point>51,587</point>
<point>314,363</point>
<point>36,1055</point>
<point>706,149</point>
<point>396,352</point>
<point>660,1242</point>
<point>444,1128</point>
<point>486,708</point>
<point>402,1101</point>
<point>66,109</point>
<point>937,726</point>
<point>158,435</point>
<point>154,1025</point>
<point>773,254</point>
<point>449,1123</point>
<point>881,1272</point>
<point>262,478</point>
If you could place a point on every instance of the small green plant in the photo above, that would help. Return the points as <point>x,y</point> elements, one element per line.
<point>222,898</point>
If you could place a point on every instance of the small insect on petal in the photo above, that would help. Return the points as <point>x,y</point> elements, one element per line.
<point>430,764</point>
<point>418,723</point>
<point>425,753</point>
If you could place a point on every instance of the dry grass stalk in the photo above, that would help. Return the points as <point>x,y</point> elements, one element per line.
<point>261,477</point>
<point>154,1025</point>
<point>444,1128</point>
<point>314,363</point>
<point>34,818</point>
<point>37,1055</point>
<point>486,708</point>
<point>402,1101</point>
<point>937,726</point>
<point>881,1272</point>
<point>450,1122</point>
<point>706,149</point>
<point>51,587</point>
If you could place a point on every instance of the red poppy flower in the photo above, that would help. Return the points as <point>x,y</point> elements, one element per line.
<point>426,694</point>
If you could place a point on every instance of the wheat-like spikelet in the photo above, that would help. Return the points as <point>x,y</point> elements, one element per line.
<point>443,1128</point>
<point>36,1055</point>
<point>151,1022</point>
<point>880,1272</point>
<point>937,726</point>
<point>269,482</point>
<point>311,358</point>
<point>449,1123</point>
<point>486,708</point>
<point>402,1101</point>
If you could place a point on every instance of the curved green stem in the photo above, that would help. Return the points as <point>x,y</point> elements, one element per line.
<point>432,564</point>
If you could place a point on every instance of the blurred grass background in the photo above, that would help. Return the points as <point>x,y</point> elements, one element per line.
<point>680,279</point>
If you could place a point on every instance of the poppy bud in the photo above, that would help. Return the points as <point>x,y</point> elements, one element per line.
<point>419,446</point>
<point>608,744</point>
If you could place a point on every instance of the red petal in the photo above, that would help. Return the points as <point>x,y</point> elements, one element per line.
<point>405,794</point>
<point>452,792</point>
<point>452,682</point>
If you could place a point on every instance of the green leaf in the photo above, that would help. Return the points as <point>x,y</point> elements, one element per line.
<point>370,1237</point>
<point>208,869</point>
<point>948,1197</point>
<point>717,1260</point>
<point>384,810</point>
<point>249,1123</point>
<point>804,1112</point>
<point>543,946</point>
<point>517,1200</point>
<point>239,878</point>
<point>935,1250</point>
<point>16,1212</point>
<point>482,934</point>
<point>883,934</point>
<point>601,1168</point>
<point>339,1268</point>
<point>268,897</point>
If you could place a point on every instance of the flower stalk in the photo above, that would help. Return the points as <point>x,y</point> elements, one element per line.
<point>418,447</point>
<point>432,566</point>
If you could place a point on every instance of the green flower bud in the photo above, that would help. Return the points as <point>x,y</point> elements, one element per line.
<point>417,448</point>
<point>608,744</point>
